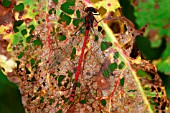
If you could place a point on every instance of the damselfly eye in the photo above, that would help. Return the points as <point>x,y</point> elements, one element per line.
<point>90,9</point>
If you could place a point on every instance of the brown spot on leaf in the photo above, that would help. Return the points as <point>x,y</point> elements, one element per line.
<point>156,6</point>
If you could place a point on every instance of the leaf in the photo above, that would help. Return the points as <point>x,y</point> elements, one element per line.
<point>164,66</point>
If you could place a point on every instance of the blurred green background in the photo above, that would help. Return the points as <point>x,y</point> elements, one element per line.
<point>155,46</point>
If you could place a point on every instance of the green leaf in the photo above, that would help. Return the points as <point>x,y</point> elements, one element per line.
<point>59,111</point>
<point>60,78</point>
<point>78,84</point>
<point>37,42</point>
<point>166,52</point>
<point>103,102</point>
<point>42,100</point>
<point>157,17</point>
<point>32,27</point>
<point>96,38</point>
<point>78,14</point>
<point>156,43</point>
<point>55,0</point>
<point>19,7</point>
<point>164,66</point>
<point>116,55</point>
<point>70,74</point>
<point>73,53</point>
<point>112,66</point>
<point>29,38</point>
<point>17,23</point>
<point>6,3</point>
<point>65,7</point>
<point>62,38</point>
<point>51,101</point>
<point>121,65</point>
<point>64,18</point>
<point>32,61</point>
<point>105,45</point>
<point>21,55</point>
<point>122,82</point>
<point>24,32</point>
<point>143,74</point>
<point>83,101</point>
<point>106,73</point>
<point>132,91</point>
<point>16,38</point>
<point>51,11</point>
<point>75,22</point>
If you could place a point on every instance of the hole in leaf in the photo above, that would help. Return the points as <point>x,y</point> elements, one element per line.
<point>37,42</point>
<point>59,111</point>
<point>62,38</point>
<point>42,100</point>
<point>21,55</point>
<point>103,102</point>
<point>122,82</point>
<point>121,65</point>
<point>78,14</point>
<point>83,101</point>
<point>112,66</point>
<point>65,7</point>
<point>6,3</point>
<point>24,32</point>
<point>73,53</point>
<point>75,22</point>
<point>105,45</point>
<point>106,73</point>
<point>64,18</point>
<point>19,7</point>
<point>116,55</point>
<point>60,78</point>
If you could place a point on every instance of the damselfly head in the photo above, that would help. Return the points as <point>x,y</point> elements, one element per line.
<point>90,9</point>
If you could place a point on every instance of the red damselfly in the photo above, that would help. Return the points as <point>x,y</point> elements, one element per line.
<point>89,19</point>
